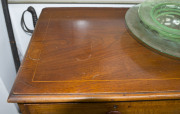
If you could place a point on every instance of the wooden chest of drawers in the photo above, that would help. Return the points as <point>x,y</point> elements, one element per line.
<point>84,61</point>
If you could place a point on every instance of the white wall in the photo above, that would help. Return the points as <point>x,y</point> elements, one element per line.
<point>7,69</point>
<point>6,108</point>
<point>75,1</point>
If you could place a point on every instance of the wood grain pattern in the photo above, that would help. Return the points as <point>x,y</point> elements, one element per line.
<point>87,55</point>
<point>142,107</point>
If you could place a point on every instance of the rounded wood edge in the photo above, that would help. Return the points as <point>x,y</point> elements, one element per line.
<point>92,98</point>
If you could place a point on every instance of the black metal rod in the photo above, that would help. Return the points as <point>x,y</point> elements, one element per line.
<point>11,34</point>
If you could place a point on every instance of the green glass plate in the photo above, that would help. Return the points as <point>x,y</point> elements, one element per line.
<point>150,37</point>
<point>162,16</point>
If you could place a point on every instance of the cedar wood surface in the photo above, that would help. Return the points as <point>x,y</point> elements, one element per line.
<point>87,55</point>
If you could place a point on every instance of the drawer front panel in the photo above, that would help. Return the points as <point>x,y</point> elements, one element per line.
<point>140,107</point>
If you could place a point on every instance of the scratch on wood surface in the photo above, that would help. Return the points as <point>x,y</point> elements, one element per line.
<point>77,59</point>
<point>27,84</point>
<point>32,58</point>
<point>95,76</point>
<point>91,46</point>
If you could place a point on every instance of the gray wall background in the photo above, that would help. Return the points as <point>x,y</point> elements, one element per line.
<point>7,69</point>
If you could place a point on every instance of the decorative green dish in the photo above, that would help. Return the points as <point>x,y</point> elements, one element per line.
<point>162,16</point>
<point>155,38</point>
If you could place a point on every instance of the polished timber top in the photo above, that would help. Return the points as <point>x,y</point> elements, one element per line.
<point>88,55</point>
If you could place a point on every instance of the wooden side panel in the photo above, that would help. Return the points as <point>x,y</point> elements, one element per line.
<point>23,109</point>
<point>141,107</point>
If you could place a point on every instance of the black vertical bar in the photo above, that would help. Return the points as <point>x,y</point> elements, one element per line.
<point>11,34</point>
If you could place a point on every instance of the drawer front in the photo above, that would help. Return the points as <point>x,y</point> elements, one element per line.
<point>140,107</point>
